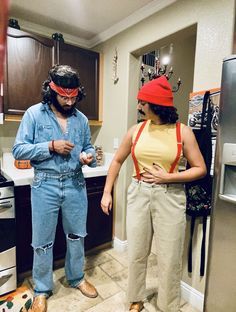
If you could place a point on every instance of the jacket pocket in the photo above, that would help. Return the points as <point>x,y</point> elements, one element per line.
<point>45,133</point>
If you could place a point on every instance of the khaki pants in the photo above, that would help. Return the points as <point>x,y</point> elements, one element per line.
<point>157,210</point>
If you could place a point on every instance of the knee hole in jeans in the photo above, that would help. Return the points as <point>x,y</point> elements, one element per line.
<point>44,248</point>
<point>72,236</point>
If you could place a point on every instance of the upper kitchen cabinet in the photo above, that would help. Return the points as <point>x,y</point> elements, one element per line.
<point>28,60</point>
<point>87,64</point>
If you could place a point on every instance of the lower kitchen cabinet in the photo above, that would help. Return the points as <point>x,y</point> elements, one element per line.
<point>99,225</point>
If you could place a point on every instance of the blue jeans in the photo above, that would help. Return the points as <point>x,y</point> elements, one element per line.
<point>49,193</point>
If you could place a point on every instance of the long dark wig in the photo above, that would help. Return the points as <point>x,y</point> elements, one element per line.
<point>64,76</point>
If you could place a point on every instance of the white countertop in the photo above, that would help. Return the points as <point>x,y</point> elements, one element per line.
<point>25,176</point>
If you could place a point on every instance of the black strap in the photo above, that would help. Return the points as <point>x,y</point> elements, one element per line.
<point>190,247</point>
<point>206,107</point>
<point>206,111</point>
<point>203,247</point>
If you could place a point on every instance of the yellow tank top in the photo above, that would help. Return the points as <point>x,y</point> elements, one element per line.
<point>156,144</point>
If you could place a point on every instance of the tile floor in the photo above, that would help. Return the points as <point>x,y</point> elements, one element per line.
<point>107,270</point>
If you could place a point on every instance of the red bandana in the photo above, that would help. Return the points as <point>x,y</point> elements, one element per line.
<point>64,91</point>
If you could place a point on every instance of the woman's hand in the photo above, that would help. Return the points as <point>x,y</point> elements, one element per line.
<point>106,203</point>
<point>155,174</point>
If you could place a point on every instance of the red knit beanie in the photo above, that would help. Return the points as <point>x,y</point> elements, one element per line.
<point>157,91</point>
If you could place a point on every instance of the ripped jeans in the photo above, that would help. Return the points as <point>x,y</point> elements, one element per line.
<point>49,193</point>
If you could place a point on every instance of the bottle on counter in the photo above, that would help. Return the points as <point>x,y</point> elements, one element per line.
<point>99,155</point>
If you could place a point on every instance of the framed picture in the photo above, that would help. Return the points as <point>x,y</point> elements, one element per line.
<point>195,115</point>
<point>195,109</point>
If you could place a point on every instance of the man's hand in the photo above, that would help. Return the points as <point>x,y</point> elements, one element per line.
<point>62,147</point>
<point>85,159</point>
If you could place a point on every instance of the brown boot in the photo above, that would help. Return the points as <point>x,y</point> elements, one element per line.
<point>136,306</point>
<point>87,289</point>
<point>39,304</point>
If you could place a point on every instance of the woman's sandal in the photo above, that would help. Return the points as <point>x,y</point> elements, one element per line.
<point>136,306</point>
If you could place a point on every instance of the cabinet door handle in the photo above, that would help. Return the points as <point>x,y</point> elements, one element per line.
<point>1,89</point>
<point>4,205</point>
<point>4,279</point>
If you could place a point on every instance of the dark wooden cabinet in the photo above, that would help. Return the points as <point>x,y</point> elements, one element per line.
<point>99,225</point>
<point>24,251</point>
<point>87,64</point>
<point>28,60</point>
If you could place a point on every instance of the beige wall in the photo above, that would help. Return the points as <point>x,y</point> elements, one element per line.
<point>7,135</point>
<point>214,20</point>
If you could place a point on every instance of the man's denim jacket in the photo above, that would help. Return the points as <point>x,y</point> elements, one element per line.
<point>38,127</point>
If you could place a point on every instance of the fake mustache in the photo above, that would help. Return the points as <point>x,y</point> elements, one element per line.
<point>141,112</point>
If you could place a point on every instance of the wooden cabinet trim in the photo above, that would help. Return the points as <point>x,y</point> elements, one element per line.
<point>100,91</point>
<point>18,118</point>
<point>15,33</point>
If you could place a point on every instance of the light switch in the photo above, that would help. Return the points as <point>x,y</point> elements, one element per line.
<point>1,118</point>
<point>115,143</point>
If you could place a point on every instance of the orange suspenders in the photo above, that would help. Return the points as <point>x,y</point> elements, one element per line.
<point>179,148</point>
<point>133,147</point>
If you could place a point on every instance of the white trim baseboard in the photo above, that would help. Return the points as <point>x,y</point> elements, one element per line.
<point>119,245</point>
<point>192,296</point>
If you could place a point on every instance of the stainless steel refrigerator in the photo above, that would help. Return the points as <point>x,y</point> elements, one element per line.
<point>220,294</point>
